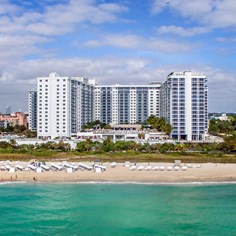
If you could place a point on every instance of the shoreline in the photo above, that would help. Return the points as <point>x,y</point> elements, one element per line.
<point>206,173</point>
<point>203,183</point>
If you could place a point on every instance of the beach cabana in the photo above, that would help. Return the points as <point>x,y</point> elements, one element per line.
<point>45,167</point>
<point>32,167</point>
<point>12,170</point>
<point>39,170</point>
<point>69,170</point>
<point>19,167</point>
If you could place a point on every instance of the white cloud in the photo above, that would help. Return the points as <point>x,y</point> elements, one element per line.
<point>111,70</point>
<point>223,15</point>
<point>209,13</point>
<point>131,41</point>
<point>185,32</point>
<point>186,8</point>
<point>22,31</point>
<point>224,39</point>
<point>7,8</point>
<point>63,18</point>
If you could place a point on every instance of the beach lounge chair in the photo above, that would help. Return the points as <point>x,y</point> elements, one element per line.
<point>32,167</point>
<point>45,167</point>
<point>169,168</point>
<point>57,166</point>
<point>19,167</point>
<point>8,167</point>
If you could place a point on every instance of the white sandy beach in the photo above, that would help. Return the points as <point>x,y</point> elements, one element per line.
<point>208,172</point>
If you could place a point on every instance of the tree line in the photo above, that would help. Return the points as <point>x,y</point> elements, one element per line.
<point>88,146</point>
<point>19,130</point>
<point>218,127</point>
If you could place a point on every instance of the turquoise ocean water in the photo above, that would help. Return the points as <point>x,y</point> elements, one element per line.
<point>117,209</point>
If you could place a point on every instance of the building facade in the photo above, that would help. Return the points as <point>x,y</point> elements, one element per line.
<point>18,118</point>
<point>126,104</point>
<point>64,105</point>
<point>32,110</point>
<point>183,102</point>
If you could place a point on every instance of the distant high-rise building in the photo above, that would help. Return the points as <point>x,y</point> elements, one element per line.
<point>32,110</point>
<point>184,102</point>
<point>126,104</point>
<point>8,110</point>
<point>64,105</point>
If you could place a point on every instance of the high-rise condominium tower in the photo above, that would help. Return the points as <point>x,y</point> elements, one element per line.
<point>64,105</point>
<point>184,104</point>
<point>126,104</point>
<point>32,109</point>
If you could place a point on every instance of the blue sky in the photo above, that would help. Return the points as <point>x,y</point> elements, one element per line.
<point>123,41</point>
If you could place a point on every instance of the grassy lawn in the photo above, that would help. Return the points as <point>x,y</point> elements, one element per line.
<point>123,156</point>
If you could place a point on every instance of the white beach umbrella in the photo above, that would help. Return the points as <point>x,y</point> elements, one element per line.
<point>140,168</point>
<point>184,168</point>
<point>147,168</point>
<point>132,168</point>
<point>162,168</point>
<point>176,168</point>
<point>155,168</point>
<point>113,164</point>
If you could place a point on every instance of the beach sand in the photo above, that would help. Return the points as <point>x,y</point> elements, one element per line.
<point>208,172</point>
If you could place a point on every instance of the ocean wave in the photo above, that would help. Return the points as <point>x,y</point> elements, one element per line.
<point>12,182</point>
<point>149,183</point>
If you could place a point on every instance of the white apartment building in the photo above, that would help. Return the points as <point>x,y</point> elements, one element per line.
<point>32,110</point>
<point>64,105</point>
<point>126,104</point>
<point>183,103</point>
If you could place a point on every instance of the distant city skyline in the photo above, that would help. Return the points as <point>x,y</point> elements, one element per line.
<point>123,41</point>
